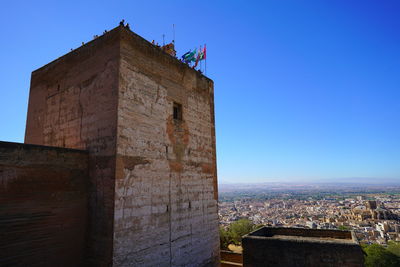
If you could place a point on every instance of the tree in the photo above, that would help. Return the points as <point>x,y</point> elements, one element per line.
<point>378,256</point>
<point>394,247</point>
<point>233,234</point>
<point>240,228</point>
<point>224,238</point>
<point>344,228</point>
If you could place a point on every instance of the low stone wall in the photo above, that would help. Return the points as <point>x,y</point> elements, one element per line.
<point>301,247</point>
<point>43,205</point>
<point>317,233</point>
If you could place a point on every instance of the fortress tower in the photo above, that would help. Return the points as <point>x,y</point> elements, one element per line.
<point>147,122</point>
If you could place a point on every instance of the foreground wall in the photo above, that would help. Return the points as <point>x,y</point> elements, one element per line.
<point>281,247</point>
<point>73,103</point>
<point>166,184</point>
<point>43,205</point>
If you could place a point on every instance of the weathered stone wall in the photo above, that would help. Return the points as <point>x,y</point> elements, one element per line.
<point>166,194</point>
<point>43,205</point>
<point>73,103</point>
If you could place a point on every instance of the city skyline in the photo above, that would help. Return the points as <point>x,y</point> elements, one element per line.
<point>303,91</point>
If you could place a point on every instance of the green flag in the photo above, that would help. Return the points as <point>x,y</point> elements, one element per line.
<point>190,57</point>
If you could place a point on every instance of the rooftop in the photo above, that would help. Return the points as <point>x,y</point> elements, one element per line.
<point>117,34</point>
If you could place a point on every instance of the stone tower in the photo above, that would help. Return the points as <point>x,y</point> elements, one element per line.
<point>147,121</point>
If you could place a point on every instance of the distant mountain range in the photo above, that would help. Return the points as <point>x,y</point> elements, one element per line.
<point>345,183</point>
<point>349,180</point>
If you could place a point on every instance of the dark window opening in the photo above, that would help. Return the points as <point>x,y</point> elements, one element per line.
<point>177,111</point>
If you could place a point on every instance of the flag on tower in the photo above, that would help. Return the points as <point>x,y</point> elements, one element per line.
<point>190,56</point>
<point>200,56</point>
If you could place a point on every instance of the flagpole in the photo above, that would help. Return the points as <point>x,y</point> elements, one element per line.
<point>205,63</point>
<point>200,59</point>
<point>173,33</point>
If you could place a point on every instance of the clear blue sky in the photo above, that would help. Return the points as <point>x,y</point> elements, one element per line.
<point>304,90</point>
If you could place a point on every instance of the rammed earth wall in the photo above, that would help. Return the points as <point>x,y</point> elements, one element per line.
<point>73,103</point>
<point>43,205</point>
